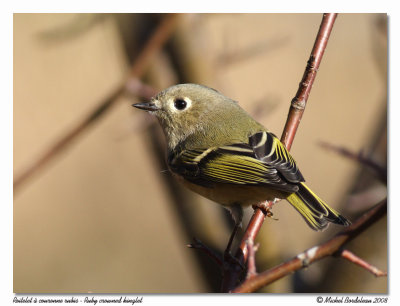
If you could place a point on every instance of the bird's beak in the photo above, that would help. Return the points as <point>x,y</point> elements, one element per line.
<point>147,106</point>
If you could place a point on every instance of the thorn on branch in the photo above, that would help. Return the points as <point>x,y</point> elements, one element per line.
<point>346,254</point>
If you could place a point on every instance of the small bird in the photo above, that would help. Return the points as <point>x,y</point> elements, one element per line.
<point>219,151</point>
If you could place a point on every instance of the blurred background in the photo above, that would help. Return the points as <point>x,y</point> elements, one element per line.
<point>95,210</point>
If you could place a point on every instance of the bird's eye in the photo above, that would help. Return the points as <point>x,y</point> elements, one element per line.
<point>180,104</point>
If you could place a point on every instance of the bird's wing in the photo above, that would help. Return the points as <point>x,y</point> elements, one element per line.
<point>270,150</point>
<point>239,164</point>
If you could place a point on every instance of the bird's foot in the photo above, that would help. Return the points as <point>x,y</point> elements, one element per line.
<point>266,207</point>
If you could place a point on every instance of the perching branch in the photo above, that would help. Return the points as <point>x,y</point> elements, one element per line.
<point>296,110</point>
<point>251,262</point>
<point>332,247</point>
<point>154,44</point>
<point>299,102</point>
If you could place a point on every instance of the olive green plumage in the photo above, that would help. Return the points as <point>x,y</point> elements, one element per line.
<point>219,151</point>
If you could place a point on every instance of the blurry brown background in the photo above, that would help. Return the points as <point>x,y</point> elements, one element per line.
<point>103,216</point>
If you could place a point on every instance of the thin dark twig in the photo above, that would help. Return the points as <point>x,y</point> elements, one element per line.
<point>329,248</point>
<point>157,40</point>
<point>359,157</point>
<point>346,254</point>
<point>296,110</point>
<point>201,246</point>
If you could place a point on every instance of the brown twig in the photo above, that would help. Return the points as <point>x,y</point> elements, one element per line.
<point>154,44</point>
<point>346,254</point>
<point>296,110</point>
<point>329,248</point>
<point>359,157</point>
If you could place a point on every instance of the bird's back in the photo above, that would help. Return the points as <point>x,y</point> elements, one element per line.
<point>219,129</point>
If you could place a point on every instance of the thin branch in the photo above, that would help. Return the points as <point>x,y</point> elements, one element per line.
<point>359,157</point>
<point>154,44</point>
<point>201,246</point>
<point>329,248</point>
<point>251,262</point>
<point>346,254</point>
<point>300,100</point>
<point>296,110</point>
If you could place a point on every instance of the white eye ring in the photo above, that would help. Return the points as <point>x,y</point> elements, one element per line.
<point>180,104</point>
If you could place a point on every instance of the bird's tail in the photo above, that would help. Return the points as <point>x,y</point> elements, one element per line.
<point>316,213</point>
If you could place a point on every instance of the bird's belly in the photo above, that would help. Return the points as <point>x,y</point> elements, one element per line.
<point>229,194</point>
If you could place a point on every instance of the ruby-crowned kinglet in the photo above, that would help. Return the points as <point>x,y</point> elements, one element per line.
<point>219,151</point>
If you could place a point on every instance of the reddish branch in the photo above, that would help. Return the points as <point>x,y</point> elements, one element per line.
<point>331,247</point>
<point>346,254</point>
<point>154,44</point>
<point>300,100</point>
<point>296,110</point>
<point>251,262</point>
